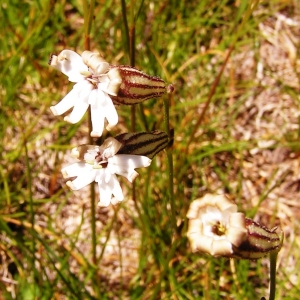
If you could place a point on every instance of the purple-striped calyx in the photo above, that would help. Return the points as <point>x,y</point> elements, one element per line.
<point>137,86</point>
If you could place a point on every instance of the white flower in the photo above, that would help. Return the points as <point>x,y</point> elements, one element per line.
<point>101,164</point>
<point>215,226</point>
<point>94,83</point>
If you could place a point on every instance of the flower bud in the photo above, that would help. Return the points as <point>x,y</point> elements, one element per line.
<point>137,86</point>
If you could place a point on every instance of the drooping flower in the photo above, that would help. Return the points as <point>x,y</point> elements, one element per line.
<point>95,84</point>
<point>215,225</point>
<point>216,228</point>
<point>101,164</point>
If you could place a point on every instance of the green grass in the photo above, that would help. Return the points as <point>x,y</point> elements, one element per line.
<point>185,43</point>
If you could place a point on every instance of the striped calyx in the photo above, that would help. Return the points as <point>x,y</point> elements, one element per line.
<point>143,143</point>
<point>137,86</point>
<point>259,242</point>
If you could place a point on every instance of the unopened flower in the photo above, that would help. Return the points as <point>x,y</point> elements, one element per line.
<point>95,84</point>
<point>101,164</point>
<point>216,228</point>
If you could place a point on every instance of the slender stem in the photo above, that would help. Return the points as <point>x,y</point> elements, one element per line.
<point>126,26</point>
<point>273,259</point>
<point>133,110</point>
<point>88,18</point>
<point>170,163</point>
<point>167,116</point>
<point>130,42</point>
<point>28,168</point>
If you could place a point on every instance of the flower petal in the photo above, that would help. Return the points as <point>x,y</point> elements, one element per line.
<point>111,82</point>
<point>66,103</point>
<point>106,190</point>
<point>109,109</point>
<point>221,247</point>
<point>110,113</point>
<point>124,164</point>
<point>86,177</point>
<point>70,63</point>
<point>116,188</point>
<point>97,115</point>
<point>74,169</point>
<point>201,243</point>
<point>81,104</point>
<point>236,235</point>
<point>130,161</point>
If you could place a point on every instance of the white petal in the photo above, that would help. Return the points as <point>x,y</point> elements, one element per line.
<point>108,175</point>
<point>115,201</point>
<point>124,164</point>
<point>130,161</point>
<point>86,177</point>
<point>116,188</point>
<point>108,107</point>
<point>74,169</point>
<point>66,103</point>
<point>106,190</point>
<point>70,63</point>
<point>104,196</point>
<point>221,248</point>
<point>81,104</point>
<point>78,112</point>
<point>93,97</point>
<point>130,174</point>
<point>97,116</point>
<point>110,112</point>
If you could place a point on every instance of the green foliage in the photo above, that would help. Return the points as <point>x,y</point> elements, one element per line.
<point>185,43</point>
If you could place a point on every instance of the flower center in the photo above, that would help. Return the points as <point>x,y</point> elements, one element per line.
<point>100,160</point>
<point>218,229</point>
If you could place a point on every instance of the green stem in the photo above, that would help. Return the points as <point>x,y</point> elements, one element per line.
<point>28,168</point>
<point>88,19</point>
<point>170,163</point>
<point>133,112</point>
<point>126,26</point>
<point>130,42</point>
<point>273,259</point>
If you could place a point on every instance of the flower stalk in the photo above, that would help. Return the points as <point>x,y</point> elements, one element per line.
<point>170,162</point>
<point>88,18</point>
<point>273,260</point>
